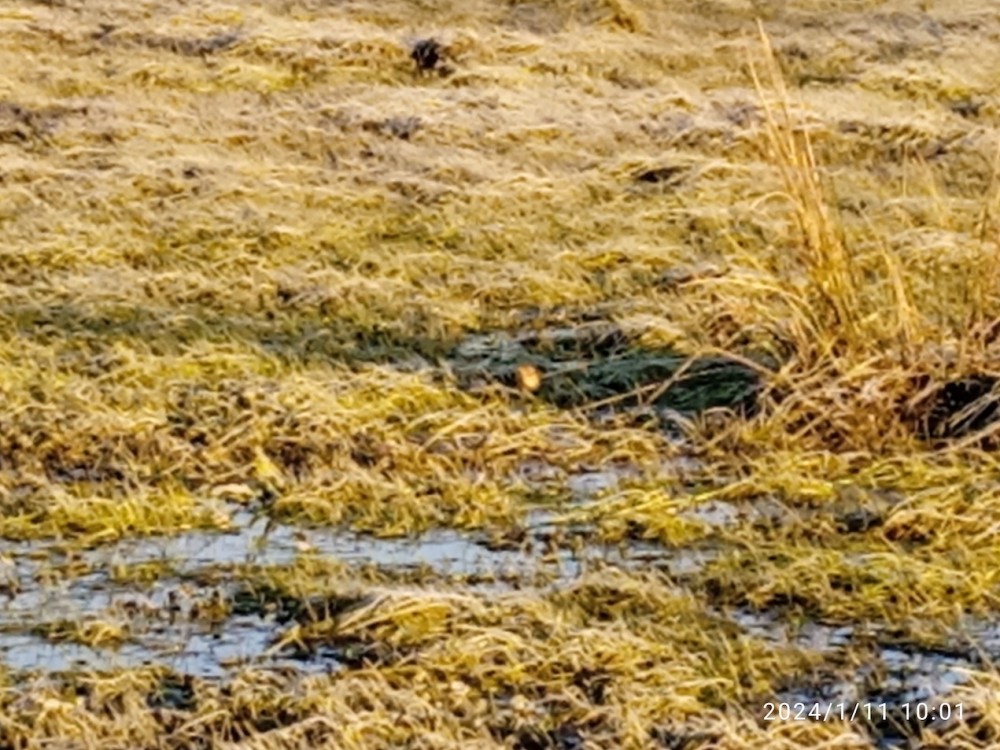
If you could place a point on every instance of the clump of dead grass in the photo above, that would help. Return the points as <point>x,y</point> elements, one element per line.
<point>865,349</point>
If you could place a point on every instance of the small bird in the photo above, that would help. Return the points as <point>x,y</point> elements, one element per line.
<point>529,378</point>
<point>426,54</point>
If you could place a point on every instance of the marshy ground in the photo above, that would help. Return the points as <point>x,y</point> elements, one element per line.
<point>525,374</point>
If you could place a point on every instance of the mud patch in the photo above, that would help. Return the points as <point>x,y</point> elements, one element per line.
<point>600,363</point>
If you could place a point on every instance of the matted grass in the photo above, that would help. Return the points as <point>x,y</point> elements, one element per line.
<point>241,243</point>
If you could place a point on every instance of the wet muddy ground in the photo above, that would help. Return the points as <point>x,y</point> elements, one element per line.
<point>169,620</point>
<point>189,602</point>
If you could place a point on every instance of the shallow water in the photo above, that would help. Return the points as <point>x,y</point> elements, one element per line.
<point>893,680</point>
<point>152,635</point>
<point>158,625</point>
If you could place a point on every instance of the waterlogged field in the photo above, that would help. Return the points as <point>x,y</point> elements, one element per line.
<point>499,374</point>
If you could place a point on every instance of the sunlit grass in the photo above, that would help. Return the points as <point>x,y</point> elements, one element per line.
<point>242,244</point>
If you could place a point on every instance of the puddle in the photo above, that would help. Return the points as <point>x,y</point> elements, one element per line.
<point>155,623</point>
<point>587,486</point>
<point>168,622</point>
<point>204,653</point>
<point>447,552</point>
<point>716,513</point>
<point>893,678</point>
<point>858,511</point>
<point>35,578</point>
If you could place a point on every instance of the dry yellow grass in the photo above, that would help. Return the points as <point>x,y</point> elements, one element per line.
<point>240,242</point>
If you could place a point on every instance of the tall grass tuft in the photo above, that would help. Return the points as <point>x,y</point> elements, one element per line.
<point>836,302</point>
